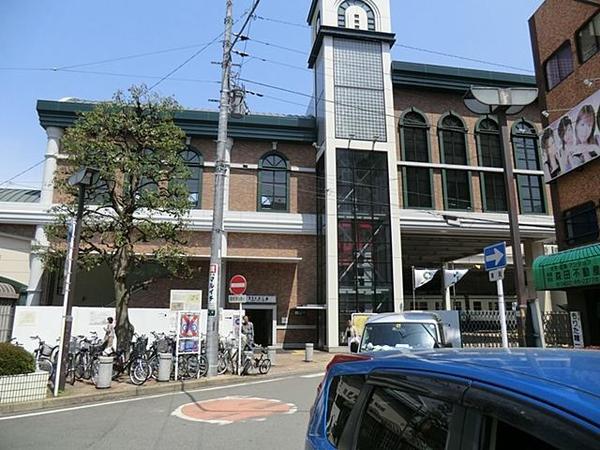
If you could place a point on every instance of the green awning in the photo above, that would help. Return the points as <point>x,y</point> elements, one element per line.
<point>578,267</point>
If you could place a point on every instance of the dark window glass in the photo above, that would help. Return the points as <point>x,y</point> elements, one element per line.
<point>559,66</point>
<point>530,192</point>
<point>418,187</point>
<point>395,420</point>
<point>499,435</point>
<point>495,192</point>
<point>364,250</point>
<point>458,189</point>
<point>488,138</point>
<point>273,184</point>
<point>321,230</point>
<point>526,153</point>
<point>193,160</point>
<point>415,134</point>
<point>453,141</point>
<point>581,224</point>
<point>588,39</point>
<point>342,396</point>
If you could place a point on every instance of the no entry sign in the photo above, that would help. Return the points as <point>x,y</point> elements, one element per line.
<point>237,285</point>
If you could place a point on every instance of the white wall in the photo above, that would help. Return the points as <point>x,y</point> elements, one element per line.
<point>45,321</point>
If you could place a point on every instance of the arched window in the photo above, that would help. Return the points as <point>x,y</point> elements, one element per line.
<point>356,14</point>
<point>526,154</point>
<point>194,162</point>
<point>493,191</point>
<point>453,148</point>
<point>273,180</point>
<point>414,131</point>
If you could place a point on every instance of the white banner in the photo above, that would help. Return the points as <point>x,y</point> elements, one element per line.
<point>573,140</point>
<point>451,277</point>
<point>423,276</point>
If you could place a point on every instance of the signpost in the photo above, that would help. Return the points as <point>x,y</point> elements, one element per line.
<point>237,289</point>
<point>495,263</point>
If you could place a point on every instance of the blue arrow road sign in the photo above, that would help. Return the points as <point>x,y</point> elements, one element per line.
<point>495,256</point>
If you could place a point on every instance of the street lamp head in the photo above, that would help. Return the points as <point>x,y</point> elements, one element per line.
<point>489,100</point>
<point>86,176</point>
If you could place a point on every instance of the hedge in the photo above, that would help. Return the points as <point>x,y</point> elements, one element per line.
<point>15,360</point>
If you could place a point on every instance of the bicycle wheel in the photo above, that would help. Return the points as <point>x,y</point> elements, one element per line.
<point>94,369</point>
<point>46,365</point>
<point>71,370</point>
<point>139,372</point>
<point>79,368</point>
<point>153,362</point>
<point>264,366</point>
<point>202,366</point>
<point>222,365</point>
<point>193,366</point>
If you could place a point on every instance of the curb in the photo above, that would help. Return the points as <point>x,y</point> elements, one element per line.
<point>143,391</point>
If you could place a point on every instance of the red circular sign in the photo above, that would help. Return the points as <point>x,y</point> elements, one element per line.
<point>237,285</point>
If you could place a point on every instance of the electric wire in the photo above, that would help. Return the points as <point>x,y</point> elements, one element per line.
<point>39,163</point>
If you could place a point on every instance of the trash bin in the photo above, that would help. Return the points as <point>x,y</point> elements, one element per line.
<point>105,372</point>
<point>272,353</point>
<point>308,352</point>
<point>165,361</point>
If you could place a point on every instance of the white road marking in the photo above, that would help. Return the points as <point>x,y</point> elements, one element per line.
<point>150,397</point>
<point>313,375</point>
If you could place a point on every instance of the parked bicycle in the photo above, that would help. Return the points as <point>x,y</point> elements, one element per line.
<point>256,360</point>
<point>85,360</point>
<point>45,357</point>
<point>136,364</point>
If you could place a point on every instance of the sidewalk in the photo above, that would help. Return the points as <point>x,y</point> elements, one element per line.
<point>287,363</point>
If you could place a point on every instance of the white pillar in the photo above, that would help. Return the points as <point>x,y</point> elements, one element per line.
<point>532,250</point>
<point>36,266</point>
<point>52,150</point>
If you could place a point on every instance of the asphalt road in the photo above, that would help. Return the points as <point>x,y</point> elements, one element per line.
<point>148,423</point>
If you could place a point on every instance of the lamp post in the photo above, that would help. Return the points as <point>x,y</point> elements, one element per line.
<point>82,179</point>
<point>503,102</point>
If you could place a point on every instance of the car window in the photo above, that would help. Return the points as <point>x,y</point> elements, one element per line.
<point>394,419</point>
<point>342,396</point>
<point>498,435</point>
<point>387,336</point>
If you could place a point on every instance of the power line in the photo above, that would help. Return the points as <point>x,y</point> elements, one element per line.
<point>283,22</point>
<point>23,172</point>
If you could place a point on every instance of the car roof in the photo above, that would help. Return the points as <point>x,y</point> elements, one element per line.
<point>568,379</point>
<point>415,316</point>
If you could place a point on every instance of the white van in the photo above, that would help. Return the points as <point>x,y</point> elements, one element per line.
<point>410,331</point>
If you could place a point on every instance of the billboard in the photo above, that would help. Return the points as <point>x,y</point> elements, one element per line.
<point>573,140</point>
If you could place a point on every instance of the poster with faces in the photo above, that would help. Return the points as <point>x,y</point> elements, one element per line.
<point>573,140</point>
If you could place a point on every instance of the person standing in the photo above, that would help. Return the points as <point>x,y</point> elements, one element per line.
<point>248,331</point>
<point>109,335</point>
<point>351,335</point>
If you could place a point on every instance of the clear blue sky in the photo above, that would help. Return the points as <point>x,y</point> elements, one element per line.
<point>47,34</point>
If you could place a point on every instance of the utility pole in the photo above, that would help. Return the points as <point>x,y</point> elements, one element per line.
<point>221,171</point>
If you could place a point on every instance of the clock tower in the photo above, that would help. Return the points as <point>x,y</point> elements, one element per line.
<point>358,213</point>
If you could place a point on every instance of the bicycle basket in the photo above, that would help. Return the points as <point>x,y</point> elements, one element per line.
<point>140,345</point>
<point>47,350</point>
<point>74,345</point>
<point>163,346</point>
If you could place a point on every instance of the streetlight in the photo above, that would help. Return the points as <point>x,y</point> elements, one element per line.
<point>82,179</point>
<point>503,102</point>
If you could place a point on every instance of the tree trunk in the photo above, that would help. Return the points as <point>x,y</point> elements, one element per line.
<point>123,329</point>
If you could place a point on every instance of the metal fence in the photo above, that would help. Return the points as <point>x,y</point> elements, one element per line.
<point>482,329</point>
<point>7,315</point>
<point>23,388</point>
<point>557,329</point>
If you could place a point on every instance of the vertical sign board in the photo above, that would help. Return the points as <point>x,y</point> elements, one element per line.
<point>576,329</point>
<point>240,299</point>
<point>188,337</point>
<point>494,257</point>
<point>213,286</point>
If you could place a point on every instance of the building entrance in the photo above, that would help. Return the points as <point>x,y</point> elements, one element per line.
<point>263,325</point>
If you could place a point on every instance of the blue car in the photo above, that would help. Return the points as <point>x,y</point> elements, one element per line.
<point>459,399</point>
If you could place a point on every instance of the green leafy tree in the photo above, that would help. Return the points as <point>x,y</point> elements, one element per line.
<point>136,212</point>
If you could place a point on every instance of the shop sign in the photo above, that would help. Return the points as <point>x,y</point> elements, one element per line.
<point>585,272</point>
<point>262,299</point>
<point>573,140</point>
<point>576,329</point>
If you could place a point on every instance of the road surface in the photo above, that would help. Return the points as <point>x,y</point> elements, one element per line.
<point>233,417</point>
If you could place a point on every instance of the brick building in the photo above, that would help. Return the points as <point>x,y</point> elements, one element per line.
<point>565,37</point>
<point>327,213</point>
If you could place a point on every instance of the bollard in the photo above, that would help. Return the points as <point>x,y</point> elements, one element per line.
<point>308,352</point>
<point>165,361</point>
<point>272,353</point>
<point>105,371</point>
